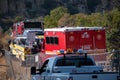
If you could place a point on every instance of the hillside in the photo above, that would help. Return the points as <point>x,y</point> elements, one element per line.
<point>34,8</point>
<point>92,14</point>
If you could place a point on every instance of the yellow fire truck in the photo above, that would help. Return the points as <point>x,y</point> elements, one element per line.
<point>22,48</point>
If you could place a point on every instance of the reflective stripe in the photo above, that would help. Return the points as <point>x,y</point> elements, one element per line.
<point>52,52</point>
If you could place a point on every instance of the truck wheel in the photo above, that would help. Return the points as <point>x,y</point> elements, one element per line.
<point>33,70</point>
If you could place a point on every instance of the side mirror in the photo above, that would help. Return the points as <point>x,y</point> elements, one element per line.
<point>33,70</point>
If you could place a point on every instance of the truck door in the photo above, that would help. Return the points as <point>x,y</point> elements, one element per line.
<point>99,39</point>
<point>72,39</point>
<point>45,70</point>
<point>85,40</point>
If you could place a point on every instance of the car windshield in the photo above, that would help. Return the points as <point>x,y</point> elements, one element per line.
<point>74,62</point>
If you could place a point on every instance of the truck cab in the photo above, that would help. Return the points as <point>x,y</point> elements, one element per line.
<point>70,64</point>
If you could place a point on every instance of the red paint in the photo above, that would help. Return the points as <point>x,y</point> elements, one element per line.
<point>91,39</point>
<point>85,39</point>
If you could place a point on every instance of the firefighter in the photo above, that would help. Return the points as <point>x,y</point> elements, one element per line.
<point>111,61</point>
<point>34,49</point>
<point>114,61</point>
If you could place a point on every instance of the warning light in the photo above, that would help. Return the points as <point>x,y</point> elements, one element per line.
<point>62,51</point>
<point>81,51</point>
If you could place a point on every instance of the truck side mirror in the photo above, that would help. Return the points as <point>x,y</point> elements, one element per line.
<point>33,70</point>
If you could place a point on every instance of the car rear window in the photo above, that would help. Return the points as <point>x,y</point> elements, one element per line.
<point>74,62</point>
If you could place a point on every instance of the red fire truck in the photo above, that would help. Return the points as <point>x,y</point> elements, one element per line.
<point>70,39</point>
<point>20,27</point>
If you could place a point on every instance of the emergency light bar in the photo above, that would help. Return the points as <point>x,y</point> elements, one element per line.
<point>62,51</point>
<point>80,51</point>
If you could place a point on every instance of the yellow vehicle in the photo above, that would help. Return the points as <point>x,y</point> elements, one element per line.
<point>21,48</point>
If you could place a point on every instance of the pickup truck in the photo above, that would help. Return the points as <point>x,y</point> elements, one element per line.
<point>71,67</point>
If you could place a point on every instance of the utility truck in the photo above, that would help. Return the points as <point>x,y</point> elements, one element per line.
<point>72,66</point>
<point>91,39</point>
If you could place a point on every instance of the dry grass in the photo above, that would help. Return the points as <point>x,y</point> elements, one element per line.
<point>3,45</point>
<point>13,71</point>
<point>3,69</point>
<point>4,40</point>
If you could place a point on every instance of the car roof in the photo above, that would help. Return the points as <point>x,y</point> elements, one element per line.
<point>70,56</point>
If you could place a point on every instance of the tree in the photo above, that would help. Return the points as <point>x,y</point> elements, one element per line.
<point>92,5</point>
<point>52,19</point>
<point>81,19</point>
<point>49,5</point>
<point>63,21</point>
<point>95,19</point>
<point>113,32</point>
<point>18,18</point>
<point>110,20</point>
<point>117,4</point>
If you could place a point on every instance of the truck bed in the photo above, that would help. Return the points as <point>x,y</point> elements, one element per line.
<point>95,76</point>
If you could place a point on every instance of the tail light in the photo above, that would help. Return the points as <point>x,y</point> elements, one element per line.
<point>70,78</point>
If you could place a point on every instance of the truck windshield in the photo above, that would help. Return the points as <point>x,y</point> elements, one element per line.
<point>74,62</point>
<point>33,25</point>
<point>37,32</point>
